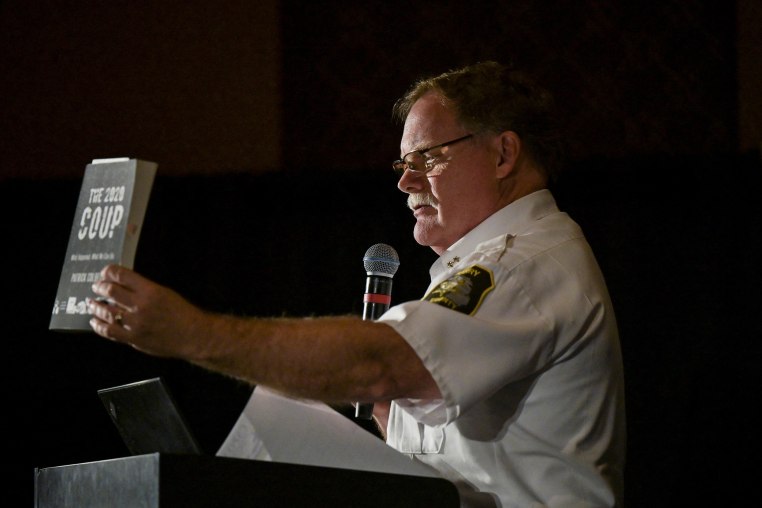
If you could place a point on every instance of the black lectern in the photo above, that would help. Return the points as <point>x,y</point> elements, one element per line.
<point>189,481</point>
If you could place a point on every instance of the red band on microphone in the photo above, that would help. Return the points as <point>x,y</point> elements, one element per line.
<point>377,298</point>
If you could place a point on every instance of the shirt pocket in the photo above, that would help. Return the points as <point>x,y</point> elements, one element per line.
<point>418,439</point>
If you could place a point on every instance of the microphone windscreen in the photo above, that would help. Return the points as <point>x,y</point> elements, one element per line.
<point>381,259</point>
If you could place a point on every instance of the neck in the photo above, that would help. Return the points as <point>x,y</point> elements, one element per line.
<point>524,180</point>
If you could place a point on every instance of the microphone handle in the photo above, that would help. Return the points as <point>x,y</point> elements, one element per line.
<point>378,291</point>
<point>378,295</point>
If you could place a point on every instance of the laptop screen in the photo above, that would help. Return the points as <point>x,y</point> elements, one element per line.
<point>148,418</point>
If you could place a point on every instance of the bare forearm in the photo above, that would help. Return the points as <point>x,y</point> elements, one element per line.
<point>335,359</point>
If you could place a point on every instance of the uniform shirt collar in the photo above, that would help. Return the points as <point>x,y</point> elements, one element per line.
<point>511,219</point>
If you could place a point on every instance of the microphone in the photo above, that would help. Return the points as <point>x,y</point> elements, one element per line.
<point>381,262</point>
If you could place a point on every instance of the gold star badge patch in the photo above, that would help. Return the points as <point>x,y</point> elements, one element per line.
<point>465,291</point>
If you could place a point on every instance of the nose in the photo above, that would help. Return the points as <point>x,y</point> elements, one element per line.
<point>411,182</point>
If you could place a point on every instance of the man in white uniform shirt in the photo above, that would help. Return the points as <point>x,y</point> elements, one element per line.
<point>506,377</point>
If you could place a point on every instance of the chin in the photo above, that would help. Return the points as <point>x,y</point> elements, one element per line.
<point>427,235</point>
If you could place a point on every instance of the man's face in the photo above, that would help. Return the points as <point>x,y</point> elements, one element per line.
<point>460,190</point>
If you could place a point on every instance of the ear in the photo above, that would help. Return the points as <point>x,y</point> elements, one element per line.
<point>509,148</point>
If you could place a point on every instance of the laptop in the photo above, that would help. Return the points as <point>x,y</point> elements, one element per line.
<point>148,419</point>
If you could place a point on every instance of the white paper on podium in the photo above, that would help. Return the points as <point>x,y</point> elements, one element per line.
<point>281,429</point>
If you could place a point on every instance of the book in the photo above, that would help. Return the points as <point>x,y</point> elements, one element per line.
<point>108,219</point>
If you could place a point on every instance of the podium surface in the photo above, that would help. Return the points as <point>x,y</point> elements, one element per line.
<point>169,480</point>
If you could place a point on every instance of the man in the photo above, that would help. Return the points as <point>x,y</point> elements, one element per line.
<point>506,377</point>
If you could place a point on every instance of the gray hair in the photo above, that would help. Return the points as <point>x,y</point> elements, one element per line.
<point>489,97</point>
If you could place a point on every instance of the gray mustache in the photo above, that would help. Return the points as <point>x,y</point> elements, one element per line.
<point>415,200</point>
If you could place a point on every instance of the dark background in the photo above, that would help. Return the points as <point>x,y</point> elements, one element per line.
<point>272,129</point>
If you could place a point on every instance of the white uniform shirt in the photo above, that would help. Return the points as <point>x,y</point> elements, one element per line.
<point>518,331</point>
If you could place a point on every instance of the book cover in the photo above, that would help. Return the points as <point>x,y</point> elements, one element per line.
<point>107,223</point>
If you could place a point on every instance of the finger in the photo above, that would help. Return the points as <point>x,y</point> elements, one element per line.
<point>111,293</point>
<point>121,275</point>
<point>108,320</point>
<point>108,330</point>
<point>106,311</point>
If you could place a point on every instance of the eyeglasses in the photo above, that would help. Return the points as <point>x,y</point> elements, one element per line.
<point>421,161</point>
